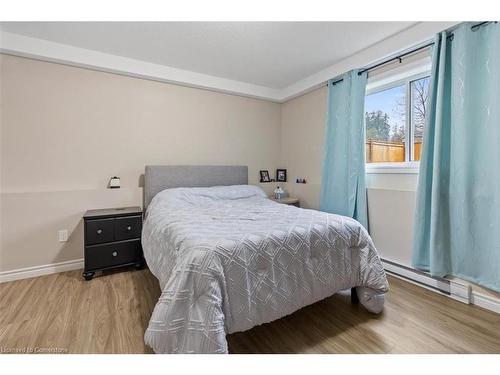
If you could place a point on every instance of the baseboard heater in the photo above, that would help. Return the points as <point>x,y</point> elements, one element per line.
<point>457,291</point>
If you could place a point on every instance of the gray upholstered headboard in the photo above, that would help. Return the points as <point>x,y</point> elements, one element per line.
<point>160,177</point>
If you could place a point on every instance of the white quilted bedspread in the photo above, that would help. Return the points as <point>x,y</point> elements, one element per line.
<point>229,259</point>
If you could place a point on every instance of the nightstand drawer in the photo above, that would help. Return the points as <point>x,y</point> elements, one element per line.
<point>128,227</point>
<point>99,231</point>
<point>113,254</point>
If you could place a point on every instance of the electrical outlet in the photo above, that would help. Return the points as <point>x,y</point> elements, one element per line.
<point>63,235</point>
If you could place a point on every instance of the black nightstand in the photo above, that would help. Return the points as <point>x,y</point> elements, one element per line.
<point>112,239</point>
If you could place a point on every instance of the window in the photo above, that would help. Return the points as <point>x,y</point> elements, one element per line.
<point>395,119</point>
<point>419,96</point>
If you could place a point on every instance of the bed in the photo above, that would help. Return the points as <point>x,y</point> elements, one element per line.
<point>228,258</point>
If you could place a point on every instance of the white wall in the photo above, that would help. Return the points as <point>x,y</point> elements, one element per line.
<point>391,209</point>
<point>67,130</point>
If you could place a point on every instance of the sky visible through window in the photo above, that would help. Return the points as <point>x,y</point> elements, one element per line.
<point>386,114</point>
<point>390,102</point>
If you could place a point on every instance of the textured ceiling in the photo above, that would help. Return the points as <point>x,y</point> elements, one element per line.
<point>271,54</point>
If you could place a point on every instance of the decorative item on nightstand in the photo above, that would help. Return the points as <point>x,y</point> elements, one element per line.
<point>278,193</point>
<point>112,239</point>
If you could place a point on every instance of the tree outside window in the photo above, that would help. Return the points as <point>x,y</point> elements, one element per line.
<point>395,120</point>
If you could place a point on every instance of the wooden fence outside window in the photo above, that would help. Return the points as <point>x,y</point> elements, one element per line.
<point>386,151</point>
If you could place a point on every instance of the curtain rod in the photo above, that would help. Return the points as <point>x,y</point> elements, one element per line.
<point>412,51</point>
<point>391,59</point>
<point>398,57</point>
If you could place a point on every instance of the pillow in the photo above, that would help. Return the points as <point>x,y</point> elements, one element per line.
<point>197,195</point>
<point>229,192</point>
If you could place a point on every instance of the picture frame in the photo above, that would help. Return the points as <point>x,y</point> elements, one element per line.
<point>281,175</point>
<point>264,176</point>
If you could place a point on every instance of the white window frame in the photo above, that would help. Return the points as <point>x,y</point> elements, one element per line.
<point>389,81</point>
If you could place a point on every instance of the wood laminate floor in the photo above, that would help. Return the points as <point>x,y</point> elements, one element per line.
<point>110,314</point>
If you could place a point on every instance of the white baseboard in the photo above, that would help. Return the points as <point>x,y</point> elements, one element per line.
<point>46,269</point>
<point>450,288</point>
<point>485,301</point>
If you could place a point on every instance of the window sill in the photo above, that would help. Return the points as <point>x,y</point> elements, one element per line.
<point>401,168</point>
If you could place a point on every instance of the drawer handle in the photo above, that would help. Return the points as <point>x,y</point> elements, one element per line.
<point>99,231</point>
<point>129,228</point>
<point>115,253</point>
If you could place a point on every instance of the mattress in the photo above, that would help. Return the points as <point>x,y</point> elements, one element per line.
<point>228,259</point>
